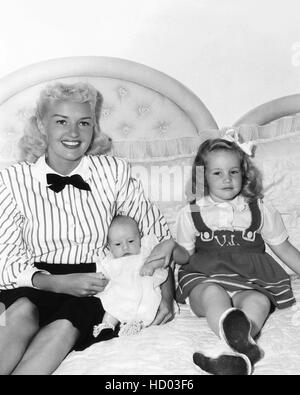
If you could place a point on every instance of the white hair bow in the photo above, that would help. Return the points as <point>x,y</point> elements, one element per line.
<point>233,136</point>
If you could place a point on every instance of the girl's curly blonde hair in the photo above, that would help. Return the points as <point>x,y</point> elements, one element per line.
<point>33,144</point>
<point>252,187</point>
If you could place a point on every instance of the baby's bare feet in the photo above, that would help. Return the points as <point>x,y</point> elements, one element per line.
<point>130,328</point>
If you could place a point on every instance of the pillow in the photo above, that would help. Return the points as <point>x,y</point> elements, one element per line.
<point>279,160</point>
<point>164,183</point>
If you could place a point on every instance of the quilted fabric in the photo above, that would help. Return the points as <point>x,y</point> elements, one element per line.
<point>168,349</point>
<point>279,161</point>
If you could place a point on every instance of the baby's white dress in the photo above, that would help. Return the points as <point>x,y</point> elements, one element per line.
<point>129,296</point>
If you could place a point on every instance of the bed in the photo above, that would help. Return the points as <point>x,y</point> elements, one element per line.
<point>156,123</point>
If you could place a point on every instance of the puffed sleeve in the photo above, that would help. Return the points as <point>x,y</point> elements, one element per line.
<point>132,201</point>
<point>16,265</point>
<point>185,230</point>
<point>273,230</point>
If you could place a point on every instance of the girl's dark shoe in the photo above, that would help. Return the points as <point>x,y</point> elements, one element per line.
<point>235,329</point>
<point>224,365</point>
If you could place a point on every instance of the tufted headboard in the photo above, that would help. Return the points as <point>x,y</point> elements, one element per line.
<point>154,121</point>
<point>271,111</point>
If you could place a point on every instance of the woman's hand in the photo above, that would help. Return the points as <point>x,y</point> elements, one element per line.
<point>165,311</point>
<point>82,284</point>
<point>88,284</point>
<point>162,252</point>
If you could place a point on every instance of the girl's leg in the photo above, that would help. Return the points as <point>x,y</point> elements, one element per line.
<point>20,324</point>
<point>256,306</point>
<point>242,323</point>
<point>48,349</point>
<point>210,301</point>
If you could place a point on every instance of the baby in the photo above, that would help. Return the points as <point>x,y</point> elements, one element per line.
<point>133,294</point>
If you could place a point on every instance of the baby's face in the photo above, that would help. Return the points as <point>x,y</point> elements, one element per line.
<point>124,239</point>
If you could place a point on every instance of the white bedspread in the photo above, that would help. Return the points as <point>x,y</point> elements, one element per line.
<point>168,349</point>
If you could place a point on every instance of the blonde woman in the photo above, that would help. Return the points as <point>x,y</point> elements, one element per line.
<point>56,208</point>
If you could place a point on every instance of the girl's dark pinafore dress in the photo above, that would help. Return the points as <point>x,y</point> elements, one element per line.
<point>235,260</point>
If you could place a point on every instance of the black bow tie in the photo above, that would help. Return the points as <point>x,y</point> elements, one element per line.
<point>57,182</point>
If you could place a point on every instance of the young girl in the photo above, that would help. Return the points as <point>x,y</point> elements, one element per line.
<point>230,279</point>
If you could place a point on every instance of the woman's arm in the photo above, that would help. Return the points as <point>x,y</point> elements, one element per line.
<point>165,311</point>
<point>81,285</point>
<point>180,255</point>
<point>288,254</point>
<point>16,266</point>
<point>163,253</point>
<point>132,201</point>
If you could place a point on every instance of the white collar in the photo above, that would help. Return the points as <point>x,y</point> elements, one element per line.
<point>239,203</point>
<point>40,168</point>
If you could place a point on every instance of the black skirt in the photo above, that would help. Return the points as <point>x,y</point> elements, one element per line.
<point>82,312</point>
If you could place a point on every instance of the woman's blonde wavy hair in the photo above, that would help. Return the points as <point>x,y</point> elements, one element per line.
<point>33,144</point>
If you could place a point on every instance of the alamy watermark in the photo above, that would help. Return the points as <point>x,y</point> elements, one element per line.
<point>173,183</point>
<point>169,183</point>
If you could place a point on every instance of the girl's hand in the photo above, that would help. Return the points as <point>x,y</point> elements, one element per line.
<point>82,284</point>
<point>162,252</point>
<point>288,254</point>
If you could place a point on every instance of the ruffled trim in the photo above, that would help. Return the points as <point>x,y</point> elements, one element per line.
<point>277,129</point>
<point>137,151</point>
<point>187,147</point>
<point>160,150</point>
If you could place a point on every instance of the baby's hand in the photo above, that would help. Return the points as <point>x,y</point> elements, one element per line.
<point>148,269</point>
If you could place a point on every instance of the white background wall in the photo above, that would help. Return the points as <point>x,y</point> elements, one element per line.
<point>234,54</point>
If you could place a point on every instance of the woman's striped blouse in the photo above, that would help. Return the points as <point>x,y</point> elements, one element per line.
<point>69,227</point>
